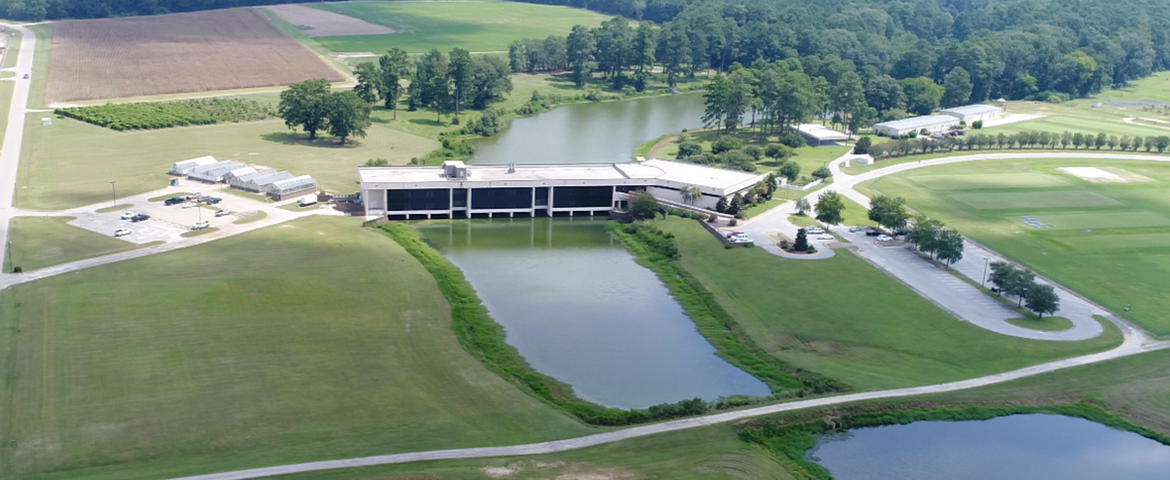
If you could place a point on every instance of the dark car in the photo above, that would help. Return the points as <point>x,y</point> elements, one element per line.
<point>174,201</point>
<point>872,233</point>
<point>898,233</point>
<point>141,217</point>
<point>211,200</point>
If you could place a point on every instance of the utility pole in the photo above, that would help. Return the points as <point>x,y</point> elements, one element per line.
<point>114,192</point>
<point>985,262</point>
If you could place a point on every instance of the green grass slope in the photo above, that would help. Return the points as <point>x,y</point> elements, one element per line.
<point>843,318</point>
<point>476,26</point>
<point>307,341</point>
<point>1109,242</point>
<point>39,242</point>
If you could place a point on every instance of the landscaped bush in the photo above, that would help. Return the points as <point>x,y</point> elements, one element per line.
<point>725,144</point>
<point>154,115</point>
<point>486,125</point>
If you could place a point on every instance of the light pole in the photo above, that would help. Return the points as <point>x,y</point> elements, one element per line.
<point>114,192</point>
<point>985,262</point>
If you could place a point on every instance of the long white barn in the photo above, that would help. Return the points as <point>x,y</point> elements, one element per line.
<point>455,190</point>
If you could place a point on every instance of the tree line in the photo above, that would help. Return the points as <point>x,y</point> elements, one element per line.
<point>1021,140</point>
<point>443,83</point>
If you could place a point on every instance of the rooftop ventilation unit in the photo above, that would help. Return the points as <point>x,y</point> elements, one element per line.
<point>454,169</point>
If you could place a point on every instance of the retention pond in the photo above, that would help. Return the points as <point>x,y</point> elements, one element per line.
<point>1034,447</point>
<point>579,308</point>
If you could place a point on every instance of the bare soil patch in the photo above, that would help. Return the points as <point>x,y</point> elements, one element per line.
<point>1105,175</point>
<point>177,53</point>
<point>321,23</point>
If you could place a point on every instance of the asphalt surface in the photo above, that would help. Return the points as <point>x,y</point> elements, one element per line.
<point>14,134</point>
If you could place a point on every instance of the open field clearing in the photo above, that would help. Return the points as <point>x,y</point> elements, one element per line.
<point>317,23</point>
<point>39,242</point>
<point>884,336</point>
<point>71,163</point>
<point>315,339</point>
<point>177,53</point>
<point>1107,241</point>
<point>475,26</point>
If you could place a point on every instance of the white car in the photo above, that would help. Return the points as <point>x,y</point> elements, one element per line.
<point>128,215</point>
<point>740,238</point>
<point>814,230</point>
<point>122,232</point>
<point>856,229</point>
<point>190,204</point>
<point>200,225</point>
<point>825,236</point>
<point>223,213</point>
<point>885,238</point>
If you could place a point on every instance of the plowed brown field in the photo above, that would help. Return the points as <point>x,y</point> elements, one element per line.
<point>177,53</point>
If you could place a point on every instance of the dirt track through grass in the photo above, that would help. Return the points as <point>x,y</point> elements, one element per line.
<point>177,53</point>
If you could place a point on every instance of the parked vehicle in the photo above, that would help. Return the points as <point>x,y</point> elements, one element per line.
<point>740,238</point>
<point>200,225</point>
<point>212,200</point>
<point>872,233</point>
<point>122,232</point>
<point>174,201</point>
<point>307,200</point>
<point>223,213</point>
<point>825,236</point>
<point>26,76</point>
<point>141,217</point>
<point>193,196</point>
<point>856,229</point>
<point>884,238</point>
<point>190,204</point>
<point>128,215</point>
<point>814,230</point>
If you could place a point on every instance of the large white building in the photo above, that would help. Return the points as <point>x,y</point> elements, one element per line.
<point>455,190</point>
<point>818,135</point>
<point>973,113</point>
<point>930,123</point>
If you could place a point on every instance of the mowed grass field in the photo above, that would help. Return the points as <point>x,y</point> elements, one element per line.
<point>844,318</point>
<point>1109,242</point>
<point>39,242</point>
<point>176,53</point>
<point>316,339</point>
<point>71,163</point>
<point>476,26</point>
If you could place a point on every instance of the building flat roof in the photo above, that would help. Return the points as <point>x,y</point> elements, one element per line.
<point>918,122</point>
<point>659,172</point>
<point>821,132</point>
<point>972,109</point>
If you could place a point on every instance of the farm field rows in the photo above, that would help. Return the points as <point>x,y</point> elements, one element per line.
<point>885,336</point>
<point>316,339</point>
<point>476,26</point>
<point>1107,241</point>
<point>176,53</point>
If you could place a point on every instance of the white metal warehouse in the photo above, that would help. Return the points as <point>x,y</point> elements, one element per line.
<point>818,135</point>
<point>973,113</point>
<point>930,123</point>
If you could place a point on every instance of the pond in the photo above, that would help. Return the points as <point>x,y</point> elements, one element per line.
<point>605,132</point>
<point>579,308</point>
<point>1034,447</point>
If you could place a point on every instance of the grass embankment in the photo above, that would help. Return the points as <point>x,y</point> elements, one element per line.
<point>196,233</point>
<point>254,217</point>
<point>1107,241</point>
<point>809,158</point>
<point>485,339</point>
<point>310,341</point>
<point>883,336</point>
<point>474,26</point>
<point>1046,324</point>
<point>168,196</point>
<point>39,242</point>
<point>115,208</point>
<point>657,250</point>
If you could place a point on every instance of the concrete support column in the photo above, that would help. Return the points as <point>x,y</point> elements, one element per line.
<point>551,204</point>
<point>451,203</point>
<point>532,204</point>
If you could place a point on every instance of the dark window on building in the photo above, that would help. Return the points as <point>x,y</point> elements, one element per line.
<point>582,197</point>
<point>542,196</point>
<point>428,199</point>
<point>459,197</point>
<point>501,198</point>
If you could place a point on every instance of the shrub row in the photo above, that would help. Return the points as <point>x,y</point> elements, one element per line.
<point>1020,140</point>
<point>483,338</point>
<point>153,115</point>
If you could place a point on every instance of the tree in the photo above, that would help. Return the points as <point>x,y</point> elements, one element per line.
<point>725,144</point>
<point>432,83</point>
<point>1018,282</point>
<point>1000,276</point>
<point>580,46</point>
<point>949,248</point>
<point>790,170</point>
<point>643,46</point>
<point>736,205</point>
<point>489,81</point>
<point>518,56</point>
<point>722,205</point>
<point>369,78</point>
<point>1101,140</point>
<point>925,233</point>
<point>348,115</point>
<point>889,212</point>
<point>830,207</point>
<point>777,151</point>
<point>460,70</point>
<point>1162,142</point>
<point>822,173</point>
<point>802,206</point>
<point>643,205</point>
<point>922,95</point>
<point>1042,298</point>
<point>862,146</point>
<point>884,93</point>
<point>691,194</point>
<point>395,67</point>
<point>956,88</point>
<point>689,148</point>
<point>801,243</point>
<point>304,105</point>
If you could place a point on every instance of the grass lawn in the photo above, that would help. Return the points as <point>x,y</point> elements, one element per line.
<point>168,196</point>
<point>259,215</point>
<point>885,336</point>
<point>71,163</point>
<point>809,158</point>
<point>196,233</point>
<point>1060,119</point>
<point>120,206</point>
<point>1109,242</point>
<point>312,340</point>
<point>1046,324</point>
<point>40,69</point>
<point>476,26</point>
<point>39,242</point>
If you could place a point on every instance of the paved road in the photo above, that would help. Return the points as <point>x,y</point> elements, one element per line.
<point>14,134</point>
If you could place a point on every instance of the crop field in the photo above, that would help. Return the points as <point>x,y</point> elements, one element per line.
<point>152,115</point>
<point>177,53</point>
<point>1107,241</point>
<point>311,340</point>
<point>71,163</point>
<point>883,336</point>
<point>476,26</point>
